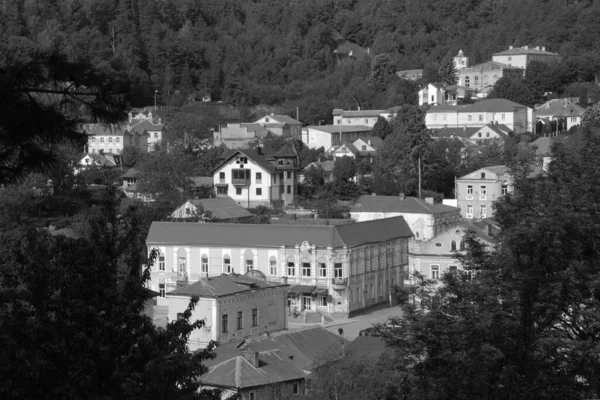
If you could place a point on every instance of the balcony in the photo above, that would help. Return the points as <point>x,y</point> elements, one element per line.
<point>240,182</point>
<point>339,283</point>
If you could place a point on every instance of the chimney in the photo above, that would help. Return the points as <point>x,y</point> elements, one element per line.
<point>369,142</point>
<point>429,200</point>
<point>510,47</point>
<point>526,47</point>
<point>537,47</point>
<point>401,195</point>
<point>251,356</point>
<point>259,150</point>
<point>543,48</point>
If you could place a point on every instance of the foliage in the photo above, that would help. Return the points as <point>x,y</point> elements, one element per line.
<point>381,129</point>
<point>447,72</point>
<point>382,71</point>
<point>131,156</point>
<point>344,169</point>
<point>515,90</point>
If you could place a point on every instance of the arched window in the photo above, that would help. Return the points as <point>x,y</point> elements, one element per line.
<point>273,265</point>
<point>467,81</point>
<point>227,264</point>
<point>204,264</point>
<point>181,262</point>
<point>249,257</point>
<point>485,79</point>
<point>453,246</point>
<point>476,80</point>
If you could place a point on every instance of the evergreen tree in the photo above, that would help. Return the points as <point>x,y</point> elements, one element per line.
<point>447,72</point>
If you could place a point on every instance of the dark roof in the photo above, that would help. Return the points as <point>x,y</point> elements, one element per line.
<point>284,119</point>
<point>523,50</point>
<point>260,159</point>
<point>132,173</point>
<point>223,285</point>
<point>369,203</point>
<point>273,235</point>
<point>351,148</point>
<point>102,160</point>
<point>559,108</point>
<point>146,125</point>
<point>326,165</point>
<point>497,105</point>
<point>502,130</point>
<point>464,133</point>
<point>376,142</point>
<point>288,150</point>
<point>344,128</point>
<point>223,208</point>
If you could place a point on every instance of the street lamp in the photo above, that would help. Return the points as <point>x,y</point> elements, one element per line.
<point>155,92</point>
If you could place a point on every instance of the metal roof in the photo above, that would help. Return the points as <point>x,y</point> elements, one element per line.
<point>524,50</point>
<point>559,108</point>
<point>223,208</point>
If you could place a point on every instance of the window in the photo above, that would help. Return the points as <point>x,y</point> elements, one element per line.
<point>502,117</point>
<point>155,135</point>
<point>476,79</point>
<point>226,264</point>
<point>470,118</point>
<point>239,321</point>
<point>161,262</point>
<point>93,139</point>
<point>289,189</point>
<point>240,174</point>
<point>366,121</point>
<point>372,292</point>
<point>118,140</point>
<point>462,246</point>
<point>238,191</point>
<point>469,189</point>
<point>322,301</point>
<point>204,264</point>
<point>290,269</point>
<point>487,134</point>
<point>221,189</point>
<point>481,118</point>
<point>485,79</point>
<point>259,191</point>
<point>289,174</point>
<point>274,178</point>
<point>483,175</point>
<point>179,316</point>
<point>479,134</point>
<point>305,269</point>
<point>495,78</point>
<point>509,58</point>
<point>504,189</point>
<point>252,395</point>
<point>322,270</point>
<point>222,176</point>
<point>573,119</point>
<point>467,81</point>
<point>187,209</point>
<point>161,290</point>
<point>483,190</point>
<point>453,246</point>
<point>469,210</point>
<point>337,270</point>
<point>258,177</point>
<point>295,388</point>
<point>338,121</point>
<point>435,272</point>
<point>101,139</point>
<point>110,140</point>
<point>267,119</point>
<point>379,289</point>
<point>225,323</point>
<point>453,269</point>
<point>255,317</point>
<point>364,147</point>
<point>241,160</point>
<point>483,211</point>
<point>273,265</point>
<point>249,265</point>
<point>182,261</point>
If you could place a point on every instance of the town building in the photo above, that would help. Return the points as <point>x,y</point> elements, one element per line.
<point>410,74</point>
<point>328,136</point>
<point>281,125</point>
<point>237,136</point>
<point>424,218</point>
<point>362,149</point>
<point>518,118</point>
<point>356,117</point>
<point>557,116</point>
<point>97,160</point>
<point>113,139</point>
<point>485,75</point>
<point>231,306</point>
<point>520,57</point>
<point>326,166</point>
<point>477,191</point>
<point>272,366</point>
<point>221,209</point>
<point>253,178</point>
<point>460,61</point>
<point>331,269</point>
<point>432,94</point>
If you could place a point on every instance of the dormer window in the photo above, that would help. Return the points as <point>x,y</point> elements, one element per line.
<point>241,160</point>
<point>483,175</point>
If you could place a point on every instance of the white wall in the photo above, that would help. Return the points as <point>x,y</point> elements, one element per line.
<point>248,192</point>
<point>317,138</point>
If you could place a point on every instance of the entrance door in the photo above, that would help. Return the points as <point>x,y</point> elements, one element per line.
<point>306,303</point>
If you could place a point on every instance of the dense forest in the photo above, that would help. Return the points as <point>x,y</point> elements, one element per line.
<point>281,52</point>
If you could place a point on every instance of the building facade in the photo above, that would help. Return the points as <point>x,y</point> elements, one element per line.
<point>338,269</point>
<point>281,125</point>
<point>520,57</point>
<point>328,136</point>
<point>557,116</point>
<point>486,74</point>
<point>477,191</point>
<point>356,117</point>
<point>237,136</point>
<point>113,139</point>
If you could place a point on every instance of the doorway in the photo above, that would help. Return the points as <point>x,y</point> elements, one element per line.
<point>306,303</point>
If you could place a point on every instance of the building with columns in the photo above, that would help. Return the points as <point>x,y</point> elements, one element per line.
<point>332,269</point>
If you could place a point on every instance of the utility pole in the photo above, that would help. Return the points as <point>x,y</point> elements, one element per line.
<point>419,161</point>
<point>155,92</point>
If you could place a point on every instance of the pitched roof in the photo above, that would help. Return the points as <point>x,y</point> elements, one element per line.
<point>500,130</point>
<point>360,113</point>
<point>523,50</point>
<point>496,169</point>
<point>559,108</point>
<point>132,173</point>
<point>147,125</point>
<point>349,146</point>
<point>409,205</point>
<point>464,133</point>
<point>223,285</point>
<point>106,130</point>
<point>101,160</point>
<point>260,159</point>
<point>393,110</point>
<point>375,141</point>
<point>288,150</point>
<point>223,208</point>
<point>343,128</point>
<point>326,166</point>
<point>284,119</point>
<point>497,105</point>
<point>258,130</point>
<point>268,235</point>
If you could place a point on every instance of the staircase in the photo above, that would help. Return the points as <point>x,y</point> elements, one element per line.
<point>326,317</point>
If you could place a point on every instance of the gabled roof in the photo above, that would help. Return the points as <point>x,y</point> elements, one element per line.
<point>106,130</point>
<point>375,142</point>
<point>223,208</point>
<point>284,119</point>
<point>258,130</point>
<point>501,130</point>
<point>349,146</point>
<point>253,155</point>
<point>497,105</point>
<point>409,205</point>
<point>223,285</point>
<point>343,128</point>
<point>268,235</point>
<point>326,166</point>
<point>495,169</point>
<point>523,50</point>
<point>132,173</point>
<point>559,108</point>
<point>146,125</point>
<point>288,150</point>
<point>463,133</point>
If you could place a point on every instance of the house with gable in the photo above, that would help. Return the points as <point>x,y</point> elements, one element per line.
<point>222,209</point>
<point>491,132</point>
<point>368,147</point>
<point>557,116</point>
<point>356,117</point>
<point>520,57</point>
<point>281,125</point>
<point>328,136</point>
<point>237,136</point>
<point>259,177</point>
<point>477,191</point>
<point>97,160</point>
<point>432,94</point>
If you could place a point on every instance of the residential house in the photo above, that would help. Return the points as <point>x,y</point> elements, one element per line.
<point>272,366</point>
<point>130,186</point>
<point>516,117</point>
<point>232,306</point>
<point>253,178</point>
<point>432,94</point>
<point>154,132</point>
<point>424,218</point>
<point>332,269</point>
<point>410,74</point>
<point>361,149</point>
<point>520,57</point>
<point>356,117</point>
<point>326,166</point>
<point>237,136</point>
<point>97,160</point>
<point>281,125</point>
<point>221,209</point>
<point>328,136</point>
<point>477,191</point>
<point>113,139</point>
<point>557,116</point>
<point>491,132</point>
<point>456,94</point>
<point>486,75</point>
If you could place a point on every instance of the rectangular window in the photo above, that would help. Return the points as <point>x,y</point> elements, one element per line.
<point>240,175</point>
<point>273,267</point>
<point>161,263</point>
<point>238,191</point>
<point>305,269</point>
<point>204,265</point>
<point>435,272</point>
<point>224,323</point>
<point>289,189</point>
<point>322,301</point>
<point>469,189</point>
<point>118,140</point>
<point>222,176</point>
<point>469,118</point>
<point>322,269</point>
<point>364,147</point>
<point>221,189</point>
<point>502,117</point>
<point>187,209</point>
<point>366,121</point>
<point>274,178</point>
<point>258,177</point>
<point>110,140</point>
<point>101,139</point>
<point>252,396</point>
<point>227,265</point>
<point>469,211</point>
<point>289,174</point>
<point>239,321</point>
<point>255,317</point>
<point>483,211</point>
<point>249,265</point>
<point>162,290</point>
<point>155,135</point>
<point>337,270</point>
<point>504,190</point>
<point>296,388</point>
<point>481,118</point>
<point>259,191</point>
<point>483,190</point>
<point>290,269</point>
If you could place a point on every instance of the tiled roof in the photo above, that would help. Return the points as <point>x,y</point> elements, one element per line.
<point>285,119</point>
<point>501,130</point>
<point>376,142</point>
<point>523,50</point>
<point>223,208</point>
<point>369,203</point>
<point>269,235</point>
<point>312,221</point>
<point>253,155</point>
<point>497,105</point>
<point>101,160</point>
<point>148,126</point>
<point>327,165</point>
<point>288,150</point>
<point>464,133</point>
<point>223,285</point>
<point>559,108</point>
<point>349,146</point>
<point>106,130</point>
<point>343,128</point>
<point>497,169</point>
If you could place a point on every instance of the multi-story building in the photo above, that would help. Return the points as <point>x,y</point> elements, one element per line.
<point>477,191</point>
<point>520,57</point>
<point>328,136</point>
<point>486,75</point>
<point>339,269</point>
<point>518,118</point>
<point>237,136</point>
<point>281,125</point>
<point>113,139</point>
<point>253,178</point>
<point>232,307</point>
<point>557,116</point>
<point>356,117</point>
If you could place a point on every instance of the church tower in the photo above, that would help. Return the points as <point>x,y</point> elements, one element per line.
<point>460,61</point>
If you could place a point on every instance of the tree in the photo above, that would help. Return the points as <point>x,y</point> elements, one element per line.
<point>131,156</point>
<point>447,71</point>
<point>514,90</point>
<point>382,128</point>
<point>344,169</point>
<point>382,71</point>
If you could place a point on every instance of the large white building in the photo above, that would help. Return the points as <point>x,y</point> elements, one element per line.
<point>520,57</point>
